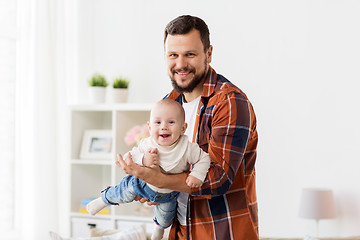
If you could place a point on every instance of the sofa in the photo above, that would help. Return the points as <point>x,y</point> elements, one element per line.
<point>310,238</point>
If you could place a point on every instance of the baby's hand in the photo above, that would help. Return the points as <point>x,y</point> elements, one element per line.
<point>193,182</point>
<point>151,158</point>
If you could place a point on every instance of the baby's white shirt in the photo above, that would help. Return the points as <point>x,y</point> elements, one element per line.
<point>176,158</point>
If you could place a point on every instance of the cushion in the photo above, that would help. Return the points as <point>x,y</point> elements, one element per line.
<point>341,238</point>
<point>133,233</point>
<point>98,232</point>
<point>321,238</point>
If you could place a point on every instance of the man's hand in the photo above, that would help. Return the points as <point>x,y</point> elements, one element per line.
<point>153,176</point>
<point>149,175</point>
<point>151,158</point>
<point>140,199</point>
<point>145,200</point>
<point>132,168</point>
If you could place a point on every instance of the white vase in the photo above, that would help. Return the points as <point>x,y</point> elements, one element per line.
<point>96,94</point>
<point>120,95</point>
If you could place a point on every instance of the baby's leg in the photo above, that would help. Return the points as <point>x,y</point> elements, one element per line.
<point>157,234</point>
<point>121,193</point>
<point>95,206</point>
<point>164,217</point>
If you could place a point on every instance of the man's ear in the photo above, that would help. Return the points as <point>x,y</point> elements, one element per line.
<point>209,53</point>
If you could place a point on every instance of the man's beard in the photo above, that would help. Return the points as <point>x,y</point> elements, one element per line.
<point>192,85</point>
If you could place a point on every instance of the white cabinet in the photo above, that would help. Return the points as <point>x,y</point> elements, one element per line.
<point>81,227</point>
<point>89,177</point>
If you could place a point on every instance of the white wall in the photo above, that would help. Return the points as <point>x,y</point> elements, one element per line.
<point>298,61</point>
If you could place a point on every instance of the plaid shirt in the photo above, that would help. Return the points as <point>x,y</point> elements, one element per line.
<point>225,127</point>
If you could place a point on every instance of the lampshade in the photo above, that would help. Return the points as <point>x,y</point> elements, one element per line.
<point>317,203</point>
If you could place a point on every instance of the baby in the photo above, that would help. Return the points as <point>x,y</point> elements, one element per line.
<point>168,147</point>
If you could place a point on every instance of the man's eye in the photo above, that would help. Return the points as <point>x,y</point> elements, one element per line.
<point>190,54</point>
<point>173,55</point>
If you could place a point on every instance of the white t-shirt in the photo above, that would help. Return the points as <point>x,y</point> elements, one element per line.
<point>190,116</point>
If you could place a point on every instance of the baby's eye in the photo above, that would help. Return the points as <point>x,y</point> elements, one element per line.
<point>157,122</point>
<point>171,122</point>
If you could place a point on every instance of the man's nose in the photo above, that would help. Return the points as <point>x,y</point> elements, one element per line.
<point>181,62</point>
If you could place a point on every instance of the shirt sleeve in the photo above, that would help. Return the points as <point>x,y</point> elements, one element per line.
<point>137,153</point>
<point>226,142</point>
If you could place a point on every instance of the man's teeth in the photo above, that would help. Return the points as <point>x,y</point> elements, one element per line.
<point>182,73</point>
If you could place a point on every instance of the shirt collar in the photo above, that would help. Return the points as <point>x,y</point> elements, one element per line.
<point>210,83</point>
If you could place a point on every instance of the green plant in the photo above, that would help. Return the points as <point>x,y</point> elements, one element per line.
<point>98,80</point>
<point>121,83</point>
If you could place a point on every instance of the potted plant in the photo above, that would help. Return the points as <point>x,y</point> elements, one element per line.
<point>97,88</point>
<point>120,90</point>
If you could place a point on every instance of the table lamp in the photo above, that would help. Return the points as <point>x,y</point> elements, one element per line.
<point>317,203</point>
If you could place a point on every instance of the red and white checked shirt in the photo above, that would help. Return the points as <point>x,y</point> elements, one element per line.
<point>225,207</point>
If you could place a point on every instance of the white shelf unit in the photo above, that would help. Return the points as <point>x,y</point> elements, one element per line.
<point>89,177</point>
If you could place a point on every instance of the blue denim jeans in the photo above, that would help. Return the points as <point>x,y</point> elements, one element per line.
<point>130,187</point>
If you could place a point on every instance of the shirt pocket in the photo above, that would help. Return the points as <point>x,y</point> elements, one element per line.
<point>204,135</point>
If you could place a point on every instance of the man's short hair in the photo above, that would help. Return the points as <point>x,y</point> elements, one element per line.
<point>184,24</point>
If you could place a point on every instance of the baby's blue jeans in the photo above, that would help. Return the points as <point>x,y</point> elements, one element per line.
<point>130,187</point>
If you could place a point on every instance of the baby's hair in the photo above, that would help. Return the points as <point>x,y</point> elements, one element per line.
<point>174,103</point>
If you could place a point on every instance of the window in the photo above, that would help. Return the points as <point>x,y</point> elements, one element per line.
<point>8,43</point>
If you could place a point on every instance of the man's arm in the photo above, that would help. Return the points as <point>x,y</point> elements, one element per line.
<point>154,176</point>
<point>226,140</point>
<point>233,124</point>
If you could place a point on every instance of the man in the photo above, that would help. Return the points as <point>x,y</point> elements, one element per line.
<point>224,125</point>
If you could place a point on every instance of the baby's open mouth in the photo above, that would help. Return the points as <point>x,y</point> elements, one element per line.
<point>165,135</point>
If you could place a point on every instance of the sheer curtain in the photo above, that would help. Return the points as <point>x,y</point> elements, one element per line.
<point>45,67</point>
<point>8,41</point>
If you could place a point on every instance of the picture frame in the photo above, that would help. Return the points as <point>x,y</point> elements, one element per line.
<point>97,144</point>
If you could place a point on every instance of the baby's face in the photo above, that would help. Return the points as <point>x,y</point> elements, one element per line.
<point>166,124</point>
